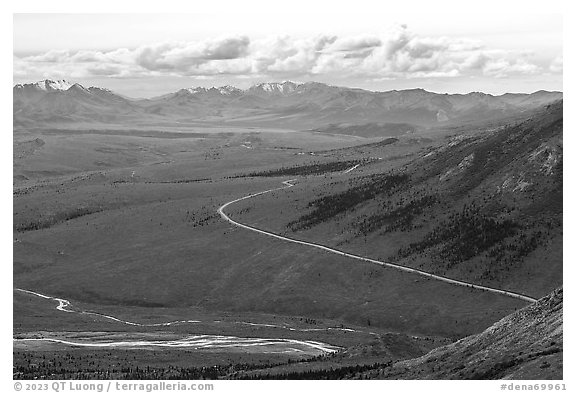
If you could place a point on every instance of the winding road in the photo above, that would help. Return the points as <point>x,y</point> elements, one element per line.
<point>289,183</point>
<point>221,342</point>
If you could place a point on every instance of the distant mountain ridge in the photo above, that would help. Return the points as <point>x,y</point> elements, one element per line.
<point>55,102</point>
<point>284,104</point>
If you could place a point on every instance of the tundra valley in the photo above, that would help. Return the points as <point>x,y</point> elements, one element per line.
<point>286,231</point>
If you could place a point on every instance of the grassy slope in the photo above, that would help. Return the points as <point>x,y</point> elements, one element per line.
<point>515,174</point>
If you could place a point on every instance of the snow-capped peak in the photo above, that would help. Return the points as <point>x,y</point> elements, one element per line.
<point>284,87</point>
<point>227,90</point>
<point>222,90</point>
<point>267,86</point>
<point>49,85</point>
<point>53,85</point>
<point>195,90</point>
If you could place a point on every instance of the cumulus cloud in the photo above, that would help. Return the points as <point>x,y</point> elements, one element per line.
<point>397,54</point>
<point>186,56</point>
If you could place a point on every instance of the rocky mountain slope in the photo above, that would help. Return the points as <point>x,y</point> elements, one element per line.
<point>527,344</point>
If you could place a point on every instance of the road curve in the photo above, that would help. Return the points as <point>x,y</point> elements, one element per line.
<point>289,183</point>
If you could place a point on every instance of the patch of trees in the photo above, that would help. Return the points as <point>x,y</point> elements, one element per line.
<point>462,236</point>
<point>396,219</point>
<point>330,206</point>
<point>57,218</point>
<point>305,170</point>
<point>181,181</point>
<point>360,148</point>
<point>345,372</point>
<point>506,255</point>
<point>56,370</point>
<point>95,366</point>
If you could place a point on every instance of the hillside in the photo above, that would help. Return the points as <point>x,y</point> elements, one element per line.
<point>484,207</point>
<point>525,345</point>
<point>528,344</point>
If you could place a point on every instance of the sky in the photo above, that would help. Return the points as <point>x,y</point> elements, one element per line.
<point>145,55</point>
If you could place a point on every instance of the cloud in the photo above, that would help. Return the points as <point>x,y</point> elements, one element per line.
<point>501,68</point>
<point>183,57</point>
<point>350,44</point>
<point>396,54</point>
<point>557,65</point>
<point>284,55</point>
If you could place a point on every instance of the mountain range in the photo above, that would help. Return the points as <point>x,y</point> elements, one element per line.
<point>287,104</point>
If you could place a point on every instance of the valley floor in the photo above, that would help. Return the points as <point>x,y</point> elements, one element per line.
<point>123,267</point>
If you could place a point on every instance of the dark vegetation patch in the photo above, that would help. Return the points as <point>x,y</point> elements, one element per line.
<point>305,170</point>
<point>511,252</point>
<point>68,365</point>
<point>57,218</point>
<point>395,218</point>
<point>330,206</point>
<point>462,236</point>
<point>499,245</point>
<point>344,372</point>
<point>360,148</point>
<point>177,181</point>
